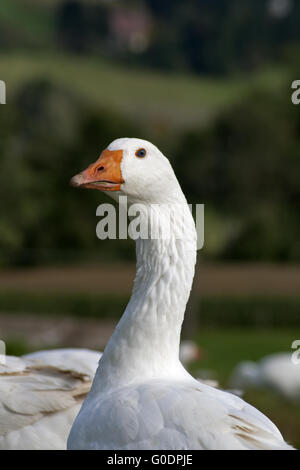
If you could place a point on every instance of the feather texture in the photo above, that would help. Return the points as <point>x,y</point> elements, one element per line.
<point>40,395</point>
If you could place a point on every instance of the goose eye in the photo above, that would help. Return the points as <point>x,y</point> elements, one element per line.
<point>141,153</point>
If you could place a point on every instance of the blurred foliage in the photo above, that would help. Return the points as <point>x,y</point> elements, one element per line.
<point>17,347</point>
<point>81,27</point>
<point>246,168</point>
<point>47,135</point>
<point>25,23</point>
<point>203,36</point>
<point>217,36</point>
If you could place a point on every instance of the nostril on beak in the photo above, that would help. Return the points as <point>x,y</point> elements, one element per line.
<point>100,168</point>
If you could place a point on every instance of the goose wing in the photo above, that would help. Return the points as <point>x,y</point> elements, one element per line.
<point>40,395</point>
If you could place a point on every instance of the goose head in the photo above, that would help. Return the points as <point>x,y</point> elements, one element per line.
<point>134,168</point>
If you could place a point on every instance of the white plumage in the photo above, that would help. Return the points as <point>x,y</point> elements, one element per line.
<point>142,397</point>
<point>40,395</point>
<point>276,372</point>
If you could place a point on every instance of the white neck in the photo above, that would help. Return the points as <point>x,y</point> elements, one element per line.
<point>145,342</point>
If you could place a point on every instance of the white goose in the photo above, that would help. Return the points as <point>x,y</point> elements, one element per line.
<point>142,397</point>
<point>40,396</point>
<point>275,372</point>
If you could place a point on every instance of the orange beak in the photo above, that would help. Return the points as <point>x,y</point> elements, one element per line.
<point>105,174</point>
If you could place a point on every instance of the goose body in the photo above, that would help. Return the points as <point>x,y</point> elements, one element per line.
<point>142,397</point>
<point>40,396</point>
<point>275,372</point>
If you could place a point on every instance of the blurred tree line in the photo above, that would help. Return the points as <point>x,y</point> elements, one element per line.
<point>203,36</point>
<point>245,168</point>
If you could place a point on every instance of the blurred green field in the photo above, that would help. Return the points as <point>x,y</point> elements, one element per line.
<point>168,99</point>
<point>225,347</point>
